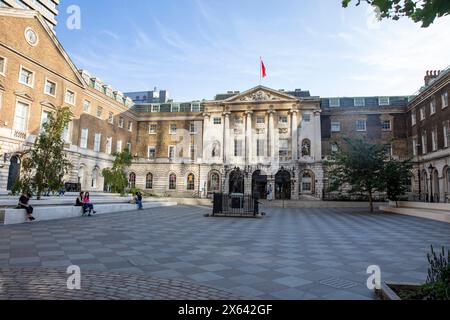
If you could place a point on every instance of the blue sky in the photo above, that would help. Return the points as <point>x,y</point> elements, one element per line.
<point>197,48</point>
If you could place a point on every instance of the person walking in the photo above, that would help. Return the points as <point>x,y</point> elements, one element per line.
<point>270,193</point>
<point>24,204</point>
<point>88,205</point>
<point>138,200</point>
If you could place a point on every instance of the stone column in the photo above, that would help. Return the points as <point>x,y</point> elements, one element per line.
<point>226,138</point>
<point>271,135</point>
<point>248,137</point>
<point>294,133</point>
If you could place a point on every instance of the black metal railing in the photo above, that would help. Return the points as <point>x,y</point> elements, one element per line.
<point>235,205</point>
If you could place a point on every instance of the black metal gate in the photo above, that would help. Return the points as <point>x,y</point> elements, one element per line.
<point>235,205</point>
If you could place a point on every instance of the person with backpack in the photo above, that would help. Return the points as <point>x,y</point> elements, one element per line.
<point>138,200</point>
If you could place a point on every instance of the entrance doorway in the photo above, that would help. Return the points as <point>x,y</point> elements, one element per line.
<point>14,172</point>
<point>237,181</point>
<point>283,185</point>
<point>259,185</point>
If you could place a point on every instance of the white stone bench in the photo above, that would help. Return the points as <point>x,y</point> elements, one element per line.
<point>17,216</point>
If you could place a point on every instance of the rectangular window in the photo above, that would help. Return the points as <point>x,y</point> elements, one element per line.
<point>434,144</point>
<point>383,101</point>
<point>97,142</point>
<point>238,121</point>
<point>335,102</point>
<point>284,148</point>
<point>86,106</point>
<point>217,121</point>
<point>389,149</point>
<point>335,127</point>
<point>121,122</point>
<point>386,125</point>
<point>70,97</point>
<point>414,146</point>
<point>155,108</point>
<point>192,152</point>
<point>2,66</point>
<point>260,120</point>
<point>152,128</point>
<point>446,128</point>
<point>283,119</point>
<point>307,117</point>
<point>260,148</point>
<point>99,112</point>
<point>175,107</point>
<point>444,98</point>
<point>361,125</point>
<point>151,152</point>
<point>195,107</point>
<point>130,126</point>
<point>119,146</point>
<point>173,129</point>
<point>26,77</point>
<point>21,117</point>
<point>171,152</point>
<point>422,113</point>
<point>424,143</point>
<point>413,118</point>
<point>129,147</point>
<point>44,119</point>
<point>334,148</point>
<point>192,128</point>
<point>111,118</point>
<point>109,145</point>
<point>237,147</point>
<point>67,133</point>
<point>84,138</point>
<point>359,102</point>
<point>50,88</point>
<point>433,106</point>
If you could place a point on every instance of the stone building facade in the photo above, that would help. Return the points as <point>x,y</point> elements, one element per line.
<point>428,118</point>
<point>240,142</point>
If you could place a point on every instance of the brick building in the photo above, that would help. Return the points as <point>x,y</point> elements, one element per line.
<point>241,142</point>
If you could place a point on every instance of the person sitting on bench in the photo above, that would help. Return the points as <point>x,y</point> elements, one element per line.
<point>88,205</point>
<point>79,203</point>
<point>24,204</point>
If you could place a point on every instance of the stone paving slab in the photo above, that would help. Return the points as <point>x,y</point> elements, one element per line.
<point>51,284</point>
<point>287,255</point>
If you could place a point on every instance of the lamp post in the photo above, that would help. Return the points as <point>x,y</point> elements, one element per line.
<point>431,169</point>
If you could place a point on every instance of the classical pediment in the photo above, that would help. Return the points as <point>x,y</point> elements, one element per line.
<point>261,94</point>
<point>48,104</point>
<point>23,95</point>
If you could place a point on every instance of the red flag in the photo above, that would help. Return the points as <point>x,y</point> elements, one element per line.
<point>263,69</point>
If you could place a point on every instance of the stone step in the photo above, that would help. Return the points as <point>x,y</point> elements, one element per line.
<point>437,215</point>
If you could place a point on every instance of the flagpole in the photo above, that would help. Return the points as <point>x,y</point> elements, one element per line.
<point>260,70</point>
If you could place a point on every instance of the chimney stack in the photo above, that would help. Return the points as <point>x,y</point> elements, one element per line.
<point>430,75</point>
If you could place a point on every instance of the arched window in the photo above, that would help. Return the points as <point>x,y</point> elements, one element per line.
<point>172,182</point>
<point>191,182</point>
<point>214,182</point>
<point>149,181</point>
<point>306,148</point>
<point>132,180</point>
<point>447,180</point>
<point>94,178</point>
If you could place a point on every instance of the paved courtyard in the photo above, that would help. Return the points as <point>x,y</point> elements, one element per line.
<point>290,254</point>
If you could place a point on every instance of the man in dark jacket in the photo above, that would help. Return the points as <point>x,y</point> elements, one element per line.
<point>24,204</point>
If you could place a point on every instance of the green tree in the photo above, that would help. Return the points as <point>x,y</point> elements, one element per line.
<point>358,166</point>
<point>46,163</point>
<point>116,177</point>
<point>425,11</point>
<point>396,177</point>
